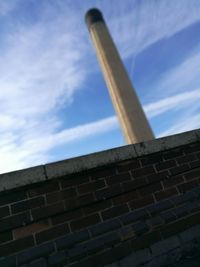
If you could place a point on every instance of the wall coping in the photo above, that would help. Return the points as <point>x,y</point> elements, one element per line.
<point>57,169</point>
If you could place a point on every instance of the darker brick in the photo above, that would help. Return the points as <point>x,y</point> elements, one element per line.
<point>119,178</point>
<point>166,165</point>
<point>35,253</point>
<point>126,197</point>
<point>142,202</point>
<point>97,174</point>
<point>154,222</point>
<point>166,193</point>
<point>67,216</point>
<point>91,187</point>
<point>188,196</point>
<point>58,259</point>
<point>174,180</point>
<point>60,195</point>
<point>173,153</point>
<point>46,211</point>
<point>162,205</point>
<point>179,169</point>
<point>27,204</point>
<point>43,188</point>
<point>73,181</point>
<point>192,148</point>
<point>104,227</point>
<point>97,207</point>
<point>70,240</point>
<point>173,228</point>
<point>181,211</point>
<point>108,192</point>
<point>150,189</point>
<point>168,216</point>
<point>85,222</point>
<point>5,237</point>
<point>132,185</point>
<point>8,261</point>
<point>134,216</point>
<point>157,177</point>
<point>187,186</point>
<point>39,263</point>
<point>152,159</point>
<point>81,201</point>
<point>187,158</point>
<point>140,228</point>
<point>143,171</point>
<point>192,174</point>
<point>12,197</point>
<point>4,212</point>
<point>16,246</point>
<point>128,165</point>
<point>52,233</point>
<point>14,221</point>
<point>114,212</point>
<point>146,240</point>
<point>195,164</point>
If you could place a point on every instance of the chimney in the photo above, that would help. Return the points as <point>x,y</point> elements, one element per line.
<point>131,116</point>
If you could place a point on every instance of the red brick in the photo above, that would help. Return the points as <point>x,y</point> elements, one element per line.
<point>43,188</point>
<point>91,187</point>
<point>85,222</point>
<point>166,165</point>
<point>143,171</point>
<point>97,174</point>
<point>173,153</point>
<point>174,180</point>
<point>61,195</point>
<point>187,186</point>
<point>16,246</point>
<point>27,204</point>
<point>97,207</point>
<point>30,229</point>
<point>180,169</point>
<point>73,181</point>
<point>128,165</point>
<point>133,185</point>
<point>114,212</point>
<point>77,202</point>
<point>108,192</point>
<point>118,178</point>
<point>152,188</point>
<point>155,177</point>
<point>52,233</point>
<point>67,216</point>
<point>187,158</point>
<point>192,174</point>
<point>14,221</point>
<point>152,159</point>
<point>11,197</point>
<point>125,197</point>
<point>166,193</point>
<point>46,211</point>
<point>139,203</point>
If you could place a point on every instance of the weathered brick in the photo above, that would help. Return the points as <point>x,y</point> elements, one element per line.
<point>187,186</point>
<point>14,221</point>
<point>173,153</point>
<point>4,212</point>
<point>156,208</point>
<point>84,222</point>
<point>192,174</point>
<point>142,202</point>
<point>128,165</point>
<point>174,180</point>
<point>16,246</point>
<point>165,165</point>
<point>143,171</point>
<point>12,197</point>
<point>43,188</point>
<point>39,263</point>
<point>114,212</point>
<point>118,178</point>
<point>104,227</point>
<point>132,185</point>
<point>91,187</point>
<point>108,192</point>
<point>52,233</point>
<point>70,240</point>
<point>30,229</point>
<point>35,253</point>
<point>73,181</point>
<point>152,188</point>
<point>152,159</point>
<point>67,216</point>
<point>81,201</point>
<point>97,207</point>
<point>5,237</point>
<point>60,195</point>
<point>166,193</point>
<point>133,216</point>
<point>180,169</point>
<point>46,211</point>
<point>58,259</point>
<point>8,261</point>
<point>27,204</point>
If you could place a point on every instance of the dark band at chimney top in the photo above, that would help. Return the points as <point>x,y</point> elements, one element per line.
<point>92,16</point>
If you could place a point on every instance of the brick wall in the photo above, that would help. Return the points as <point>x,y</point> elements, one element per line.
<point>103,215</point>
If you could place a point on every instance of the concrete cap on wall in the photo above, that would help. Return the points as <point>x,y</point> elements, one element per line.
<point>92,16</point>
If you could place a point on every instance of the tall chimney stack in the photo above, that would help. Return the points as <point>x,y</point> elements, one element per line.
<point>131,116</point>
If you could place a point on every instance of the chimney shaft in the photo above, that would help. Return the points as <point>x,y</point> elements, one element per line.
<point>131,116</point>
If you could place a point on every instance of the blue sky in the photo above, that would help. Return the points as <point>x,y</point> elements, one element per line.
<point>54,103</point>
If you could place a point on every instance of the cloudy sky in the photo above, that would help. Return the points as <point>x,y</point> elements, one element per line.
<point>53,100</point>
